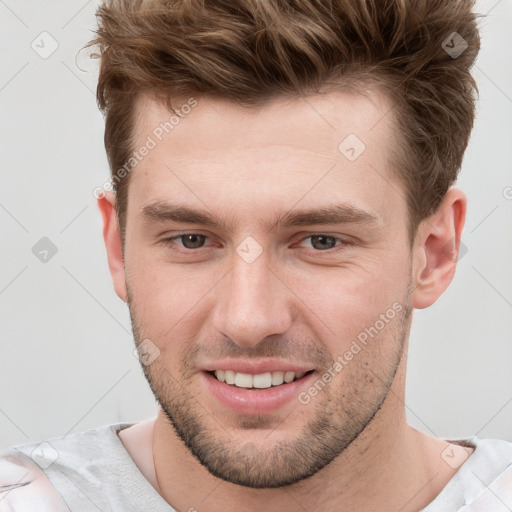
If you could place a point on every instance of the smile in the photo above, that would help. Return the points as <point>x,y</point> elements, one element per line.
<point>258,381</point>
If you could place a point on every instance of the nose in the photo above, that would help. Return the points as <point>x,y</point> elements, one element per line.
<point>253,303</point>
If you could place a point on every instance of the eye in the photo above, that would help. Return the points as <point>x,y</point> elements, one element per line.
<point>323,242</point>
<point>188,240</point>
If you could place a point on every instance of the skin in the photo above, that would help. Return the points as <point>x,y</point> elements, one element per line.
<point>297,302</point>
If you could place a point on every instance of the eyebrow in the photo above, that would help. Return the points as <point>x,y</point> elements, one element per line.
<point>162,211</point>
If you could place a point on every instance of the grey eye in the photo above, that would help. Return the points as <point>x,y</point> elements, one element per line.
<point>322,242</point>
<point>192,241</point>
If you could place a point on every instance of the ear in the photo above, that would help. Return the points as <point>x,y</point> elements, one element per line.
<point>436,249</point>
<point>112,237</point>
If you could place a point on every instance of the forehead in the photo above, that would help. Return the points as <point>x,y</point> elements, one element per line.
<point>304,122</point>
<point>291,149</point>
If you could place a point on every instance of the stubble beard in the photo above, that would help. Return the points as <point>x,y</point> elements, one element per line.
<point>342,411</point>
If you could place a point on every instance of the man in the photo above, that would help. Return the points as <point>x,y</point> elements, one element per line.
<point>283,201</point>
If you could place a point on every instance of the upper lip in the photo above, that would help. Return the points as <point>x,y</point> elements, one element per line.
<point>255,367</point>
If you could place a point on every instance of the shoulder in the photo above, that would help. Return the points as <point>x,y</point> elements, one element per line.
<point>491,457</point>
<point>24,486</point>
<point>484,481</point>
<point>38,476</point>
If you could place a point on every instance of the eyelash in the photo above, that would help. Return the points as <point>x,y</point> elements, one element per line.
<point>169,242</point>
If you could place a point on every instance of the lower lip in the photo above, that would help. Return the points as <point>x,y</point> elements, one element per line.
<point>256,401</point>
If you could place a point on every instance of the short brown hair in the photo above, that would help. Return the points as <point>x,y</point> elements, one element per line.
<point>252,51</point>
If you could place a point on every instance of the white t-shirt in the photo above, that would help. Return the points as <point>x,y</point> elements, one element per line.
<point>91,471</point>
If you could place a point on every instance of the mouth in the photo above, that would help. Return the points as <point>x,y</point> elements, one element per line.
<point>262,386</point>
<point>240,393</point>
<point>257,381</point>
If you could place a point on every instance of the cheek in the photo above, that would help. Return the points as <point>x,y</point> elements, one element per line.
<point>344,302</point>
<point>169,296</point>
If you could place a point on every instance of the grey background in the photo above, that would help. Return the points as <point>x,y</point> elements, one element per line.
<point>66,350</point>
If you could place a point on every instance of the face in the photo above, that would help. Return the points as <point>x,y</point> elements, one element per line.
<point>266,244</point>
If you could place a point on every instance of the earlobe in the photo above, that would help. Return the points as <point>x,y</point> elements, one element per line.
<point>436,249</point>
<point>113,244</point>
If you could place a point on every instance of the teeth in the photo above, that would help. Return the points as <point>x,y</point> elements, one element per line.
<point>243,380</point>
<point>262,380</point>
<point>259,381</point>
<point>229,376</point>
<point>289,376</point>
<point>277,378</point>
